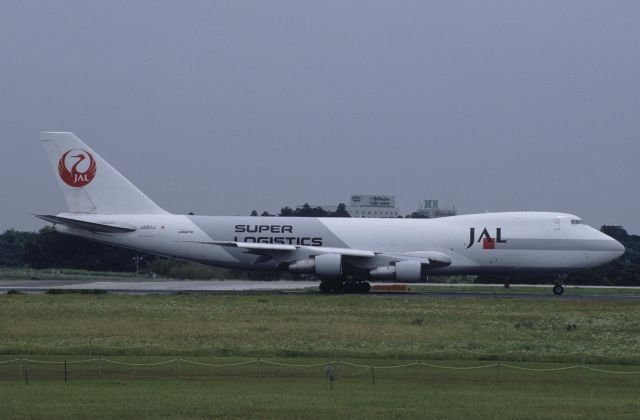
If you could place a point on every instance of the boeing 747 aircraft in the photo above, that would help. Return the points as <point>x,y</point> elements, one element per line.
<point>345,253</point>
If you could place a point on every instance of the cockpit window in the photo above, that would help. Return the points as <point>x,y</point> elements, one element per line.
<point>576,222</point>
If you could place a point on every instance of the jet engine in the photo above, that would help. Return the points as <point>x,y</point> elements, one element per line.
<point>325,265</point>
<point>404,271</point>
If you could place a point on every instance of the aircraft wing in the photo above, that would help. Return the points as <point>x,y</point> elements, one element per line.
<point>283,252</point>
<point>258,248</point>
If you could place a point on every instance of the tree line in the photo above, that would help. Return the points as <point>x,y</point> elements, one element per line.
<point>49,249</point>
<point>306,210</point>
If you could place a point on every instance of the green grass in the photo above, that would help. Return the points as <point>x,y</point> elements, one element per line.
<point>260,391</point>
<point>318,325</point>
<point>67,274</point>
<point>315,329</point>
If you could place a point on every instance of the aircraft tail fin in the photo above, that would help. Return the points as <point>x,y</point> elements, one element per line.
<point>89,184</point>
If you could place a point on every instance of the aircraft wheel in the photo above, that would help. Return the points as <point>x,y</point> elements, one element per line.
<point>338,287</point>
<point>325,287</point>
<point>558,289</point>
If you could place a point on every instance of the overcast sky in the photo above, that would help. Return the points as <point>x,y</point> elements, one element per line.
<point>222,107</point>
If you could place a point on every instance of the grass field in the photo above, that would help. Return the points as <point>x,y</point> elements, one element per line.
<point>313,329</point>
<point>260,390</point>
<point>426,395</point>
<point>402,327</point>
<point>67,274</point>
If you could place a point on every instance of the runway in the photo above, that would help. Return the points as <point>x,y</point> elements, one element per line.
<point>293,287</point>
<point>159,287</point>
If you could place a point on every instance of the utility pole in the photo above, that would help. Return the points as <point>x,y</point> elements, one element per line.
<point>137,259</point>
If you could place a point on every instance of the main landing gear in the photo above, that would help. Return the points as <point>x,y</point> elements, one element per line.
<point>342,286</point>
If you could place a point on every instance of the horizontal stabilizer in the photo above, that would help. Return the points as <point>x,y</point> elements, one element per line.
<point>90,226</point>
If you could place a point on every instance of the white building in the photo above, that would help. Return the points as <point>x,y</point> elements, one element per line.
<point>373,206</point>
<point>367,206</point>
<point>431,209</point>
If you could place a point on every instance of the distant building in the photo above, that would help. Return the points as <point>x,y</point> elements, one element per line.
<point>367,206</point>
<point>431,209</point>
<point>373,206</point>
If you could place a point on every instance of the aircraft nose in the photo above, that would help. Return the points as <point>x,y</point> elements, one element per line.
<point>610,248</point>
<point>614,248</point>
<point>618,248</point>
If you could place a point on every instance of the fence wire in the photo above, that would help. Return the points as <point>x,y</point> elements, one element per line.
<point>97,368</point>
<point>152,349</point>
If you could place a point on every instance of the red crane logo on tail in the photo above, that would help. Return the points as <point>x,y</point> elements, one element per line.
<point>83,167</point>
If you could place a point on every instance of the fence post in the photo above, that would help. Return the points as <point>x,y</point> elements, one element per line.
<point>330,376</point>
<point>65,371</point>
<point>20,367</point>
<point>579,373</point>
<point>499,372</point>
<point>179,368</point>
<point>100,366</point>
<point>26,373</point>
<point>373,378</point>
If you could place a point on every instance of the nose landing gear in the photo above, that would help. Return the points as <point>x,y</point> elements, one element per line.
<point>558,289</point>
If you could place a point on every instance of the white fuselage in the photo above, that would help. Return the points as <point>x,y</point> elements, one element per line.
<point>344,252</point>
<point>491,243</point>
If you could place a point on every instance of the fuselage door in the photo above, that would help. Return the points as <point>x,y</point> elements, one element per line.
<point>556,224</point>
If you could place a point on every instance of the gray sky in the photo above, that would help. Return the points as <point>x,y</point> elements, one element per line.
<point>222,107</point>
